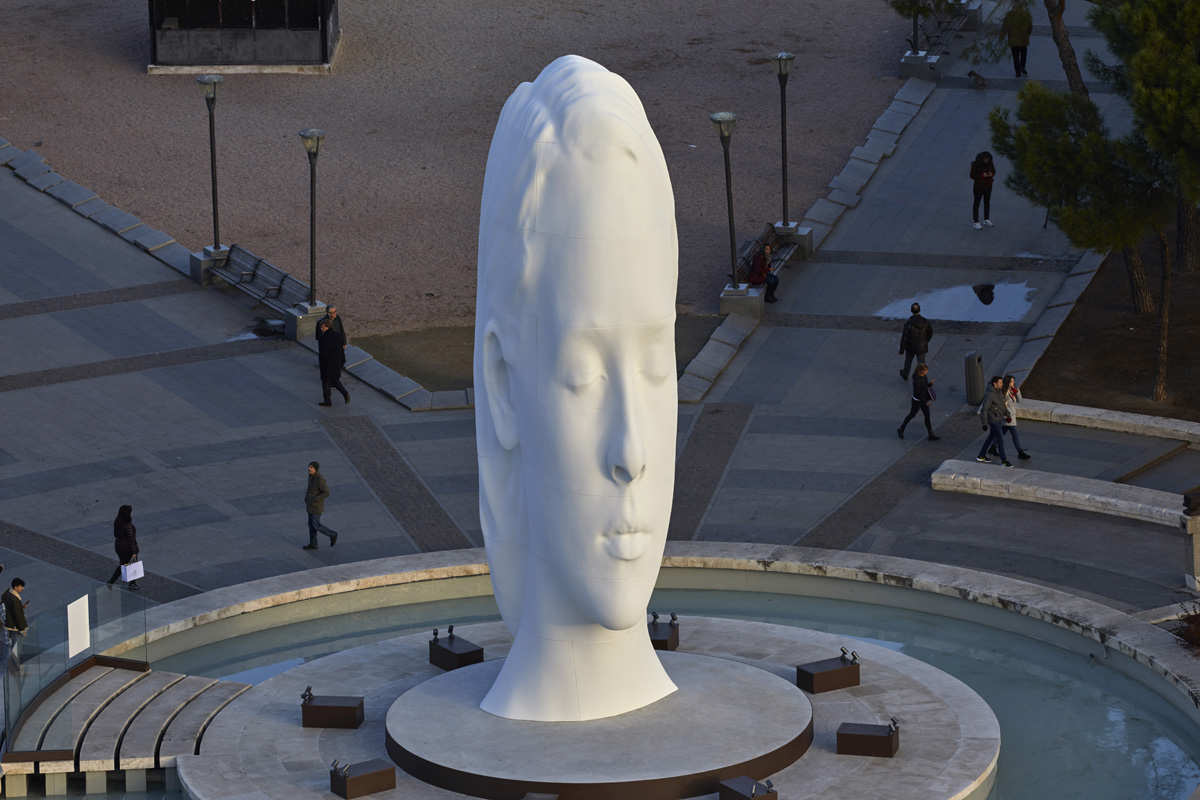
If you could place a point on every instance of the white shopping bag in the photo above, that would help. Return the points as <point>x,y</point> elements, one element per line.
<point>132,571</point>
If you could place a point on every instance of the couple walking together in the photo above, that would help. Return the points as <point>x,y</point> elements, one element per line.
<point>999,416</point>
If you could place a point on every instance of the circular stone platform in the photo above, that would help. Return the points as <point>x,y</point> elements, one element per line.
<point>949,740</point>
<point>727,719</point>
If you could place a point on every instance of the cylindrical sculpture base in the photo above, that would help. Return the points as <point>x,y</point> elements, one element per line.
<point>727,719</point>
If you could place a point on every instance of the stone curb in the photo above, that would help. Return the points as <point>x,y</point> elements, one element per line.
<point>1103,419</point>
<point>717,354</point>
<point>30,166</point>
<point>1039,337</point>
<point>1140,641</point>
<point>865,159</point>
<point>1065,491</point>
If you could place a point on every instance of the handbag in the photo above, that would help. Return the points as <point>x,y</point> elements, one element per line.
<point>132,571</point>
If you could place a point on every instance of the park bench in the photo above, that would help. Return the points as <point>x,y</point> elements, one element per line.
<point>939,29</point>
<point>261,280</point>
<point>781,252</point>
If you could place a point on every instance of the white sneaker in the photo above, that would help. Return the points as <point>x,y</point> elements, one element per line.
<point>987,222</point>
<point>977,226</point>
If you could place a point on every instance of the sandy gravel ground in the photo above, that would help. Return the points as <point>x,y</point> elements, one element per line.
<point>409,112</point>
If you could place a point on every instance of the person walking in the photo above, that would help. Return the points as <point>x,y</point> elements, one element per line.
<point>1018,26</point>
<point>914,339</point>
<point>991,411</point>
<point>314,504</point>
<point>14,606</point>
<point>125,542</point>
<point>331,353</point>
<point>1012,397</point>
<point>922,396</point>
<point>983,173</point>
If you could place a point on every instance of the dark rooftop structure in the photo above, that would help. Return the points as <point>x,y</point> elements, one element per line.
<point>243,32</point>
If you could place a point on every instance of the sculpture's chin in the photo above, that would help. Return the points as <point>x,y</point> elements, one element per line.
<point>620,616</point>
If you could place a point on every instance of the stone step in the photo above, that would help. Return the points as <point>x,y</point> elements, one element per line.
<point>99,749</point>
<point>138,747</point>
<point>184,732</point>
<point>29,736</point>
<point>66,730</point>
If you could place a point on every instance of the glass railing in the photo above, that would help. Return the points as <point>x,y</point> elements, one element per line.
<point>109,622</point>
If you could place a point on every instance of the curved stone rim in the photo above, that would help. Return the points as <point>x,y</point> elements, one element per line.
<point>1148,645</point>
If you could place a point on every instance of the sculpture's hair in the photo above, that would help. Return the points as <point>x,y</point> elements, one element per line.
<point>574,120</point>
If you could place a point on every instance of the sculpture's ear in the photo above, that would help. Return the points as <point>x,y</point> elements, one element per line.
<point>497,377</point>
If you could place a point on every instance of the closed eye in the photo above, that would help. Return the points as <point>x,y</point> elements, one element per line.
<point>579,379</point>
<point>656,374</point>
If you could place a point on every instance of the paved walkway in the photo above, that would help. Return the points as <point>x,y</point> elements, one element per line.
<point>124,384</point>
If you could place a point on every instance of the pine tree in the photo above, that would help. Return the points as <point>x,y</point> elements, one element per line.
<point>1105,193</point>
<point>1157,43</point>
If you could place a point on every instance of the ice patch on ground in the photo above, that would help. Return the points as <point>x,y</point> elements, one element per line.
<point>243,337</point>
<point>1011,302</point>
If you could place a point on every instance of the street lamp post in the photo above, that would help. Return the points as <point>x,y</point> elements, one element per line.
<point>724,121</point>
<point>209,84</point>
<point>312,138</point>
<point>784,62</point>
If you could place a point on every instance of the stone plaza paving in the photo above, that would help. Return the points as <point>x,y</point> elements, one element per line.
<point>122,382</point>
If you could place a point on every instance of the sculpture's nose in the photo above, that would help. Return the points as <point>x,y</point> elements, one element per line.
<point>627,449</point>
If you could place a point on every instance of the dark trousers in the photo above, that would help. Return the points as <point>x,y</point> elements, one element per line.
<point>1011,430</point>
<point>984,194</point>
<point>332,379</point>
<point>772,284</point>
<point>923,408</point>
<point>995,438</point>
<point>315,527</point>
<point>1019,54</point>
<point>981,194</point>
<point>909,355</point>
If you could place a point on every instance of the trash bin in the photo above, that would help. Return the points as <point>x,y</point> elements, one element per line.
<point>973,371</point>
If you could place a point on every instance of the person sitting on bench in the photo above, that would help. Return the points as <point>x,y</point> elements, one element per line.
<point>760,273</point>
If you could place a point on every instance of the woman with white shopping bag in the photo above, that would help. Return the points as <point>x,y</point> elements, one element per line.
<point>125,541</point>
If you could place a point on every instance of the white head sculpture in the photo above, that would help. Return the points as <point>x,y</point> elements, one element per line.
<point>575,394</point>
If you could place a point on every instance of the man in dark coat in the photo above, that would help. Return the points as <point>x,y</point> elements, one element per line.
<point>314,504</point>
<point>914,339</point>
<point>331,351</point>
<point>15,624</point>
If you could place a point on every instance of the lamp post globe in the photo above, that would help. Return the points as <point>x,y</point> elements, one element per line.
<point>208,83</point>
<point>724,122</point>
<point>312,139</point>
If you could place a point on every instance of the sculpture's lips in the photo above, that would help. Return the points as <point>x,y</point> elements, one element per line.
<point>626,545</point>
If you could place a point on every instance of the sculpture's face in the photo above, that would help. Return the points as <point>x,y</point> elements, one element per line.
<point>597,411</point>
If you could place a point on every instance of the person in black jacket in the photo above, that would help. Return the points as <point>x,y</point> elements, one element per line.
<point>914,339</point>
<point>331,353</point>
<point>15,623</point>
<point>125,542</point>
<point>922,396</point>
<point>983,174</point>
